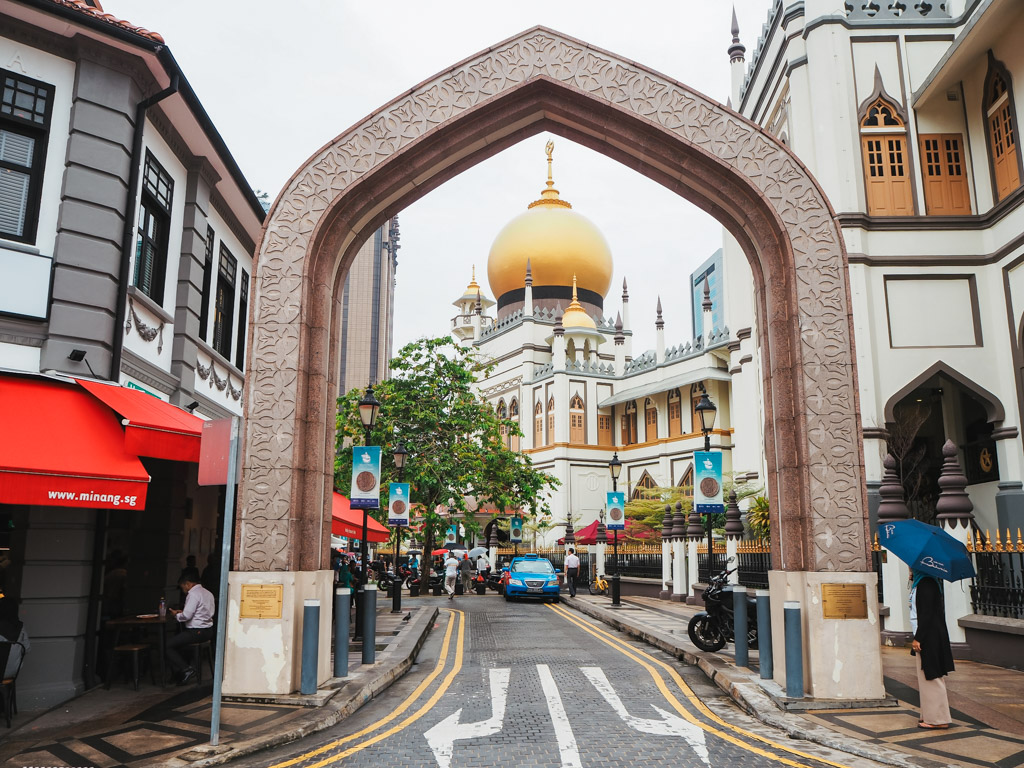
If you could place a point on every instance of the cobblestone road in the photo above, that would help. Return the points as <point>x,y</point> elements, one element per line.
<point>527,684</point>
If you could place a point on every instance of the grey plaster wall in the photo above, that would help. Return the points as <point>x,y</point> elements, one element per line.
<point>90,225</point>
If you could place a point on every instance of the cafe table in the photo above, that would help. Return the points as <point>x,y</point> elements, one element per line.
<point>150,622</point>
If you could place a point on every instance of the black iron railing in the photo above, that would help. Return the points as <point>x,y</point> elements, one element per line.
<point>998,589</point>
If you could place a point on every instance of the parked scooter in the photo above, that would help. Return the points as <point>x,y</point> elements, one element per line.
<point>386,579</point>
<point>712,628</point>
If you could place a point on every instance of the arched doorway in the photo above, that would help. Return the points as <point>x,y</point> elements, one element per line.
<point>538,81</point>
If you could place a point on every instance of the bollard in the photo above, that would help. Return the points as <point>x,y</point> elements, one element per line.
<point>358,596</point>
<point>342,596</point>
<point>794,651</point>
<point>369,623</point>
<point>739,625</point>
<point>764,634</point>
<point>310,646</point>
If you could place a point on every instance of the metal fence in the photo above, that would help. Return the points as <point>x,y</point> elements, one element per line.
<point>998,589</point>
<point>718,562</point>
<point>643,565</point>
<point>754,560</point>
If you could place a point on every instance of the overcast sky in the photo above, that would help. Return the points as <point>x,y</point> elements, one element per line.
<point>280,79</point>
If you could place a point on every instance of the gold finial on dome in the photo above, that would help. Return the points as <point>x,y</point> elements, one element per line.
<point>473,286</point>
<point>576,316</point>
<point>550,195</point>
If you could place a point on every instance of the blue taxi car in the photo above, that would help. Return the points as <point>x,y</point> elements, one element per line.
<point>531,576</point>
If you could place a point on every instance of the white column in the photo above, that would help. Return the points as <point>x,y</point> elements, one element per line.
<point>957,595</point>
<point>896,593</point>
<point>666,569</point>
<point>599,555</point>
<point>679,580</point>
<point>732,550</point>
<point>691,554</point>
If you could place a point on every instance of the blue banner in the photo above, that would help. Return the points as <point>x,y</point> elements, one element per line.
<point>615,519</point>
<point>450,537</point>
<point>515,530</point>
<point>365,491</point>
<point>707,482</point>
<point>398,505</point>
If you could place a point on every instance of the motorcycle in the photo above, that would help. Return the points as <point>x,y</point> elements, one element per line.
<point>712,628</point>
<point>387,578</point>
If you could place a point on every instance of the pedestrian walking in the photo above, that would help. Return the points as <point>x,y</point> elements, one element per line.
<point>931,647</point>
<point>572,569</point>
<point>451,573</point>
<point>466,571</point>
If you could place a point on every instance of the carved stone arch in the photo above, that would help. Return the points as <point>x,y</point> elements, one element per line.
<point>541,80</point>
<point>993,407</point>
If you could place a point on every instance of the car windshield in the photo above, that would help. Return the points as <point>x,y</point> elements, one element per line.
<point>532,566</point>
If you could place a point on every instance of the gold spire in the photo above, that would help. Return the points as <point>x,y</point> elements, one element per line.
<point>473,287</point>
<point>575,316</point>
<point>550,196</point>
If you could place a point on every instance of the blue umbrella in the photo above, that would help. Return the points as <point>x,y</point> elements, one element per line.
<point>927,549</point>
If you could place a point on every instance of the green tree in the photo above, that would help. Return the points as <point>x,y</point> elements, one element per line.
<point>758,517</point>
<point>455,439</point>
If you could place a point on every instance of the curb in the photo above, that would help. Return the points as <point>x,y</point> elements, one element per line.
<point>746,691</point>
<point>394,662</point>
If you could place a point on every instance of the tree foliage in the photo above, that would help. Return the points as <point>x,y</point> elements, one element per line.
<point>455,440</point>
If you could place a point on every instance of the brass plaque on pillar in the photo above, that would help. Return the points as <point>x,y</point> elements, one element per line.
<point>844,601</point>
<point>261,601</point>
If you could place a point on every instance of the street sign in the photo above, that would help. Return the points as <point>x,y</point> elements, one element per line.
<point>616,506</point>
<point>365,491</point>
<point>398,505</point>
<point>707,484</point>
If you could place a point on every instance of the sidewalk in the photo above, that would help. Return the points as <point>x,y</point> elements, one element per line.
<point>171,726</point>
<point>987,702</point>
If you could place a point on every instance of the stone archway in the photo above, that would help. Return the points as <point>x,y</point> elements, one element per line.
<point>536,81</point>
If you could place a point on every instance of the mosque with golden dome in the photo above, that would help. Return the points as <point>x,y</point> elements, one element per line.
<point>565,370</point>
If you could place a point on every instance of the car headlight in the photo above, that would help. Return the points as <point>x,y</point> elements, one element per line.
<point>553,582</point>
<point>517,582</point>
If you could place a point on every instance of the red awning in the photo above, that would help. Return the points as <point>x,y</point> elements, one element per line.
<point>61,447</point>
<point>349,522</point>
<point>151,426</point>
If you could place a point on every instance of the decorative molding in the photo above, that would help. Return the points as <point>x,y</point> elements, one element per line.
<point>823,448</point>
<point>744,333</point>
<point>208,373</point>
<point>146,333</point>
<point>875,433</point>
<point>1004,433</point>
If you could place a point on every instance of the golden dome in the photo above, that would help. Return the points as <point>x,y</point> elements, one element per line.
<point>575,316</point>
<point>557,242</point>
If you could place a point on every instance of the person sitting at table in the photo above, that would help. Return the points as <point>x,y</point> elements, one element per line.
<point>197,616</point>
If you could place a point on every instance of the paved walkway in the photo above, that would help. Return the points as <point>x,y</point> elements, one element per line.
<point>157,726</point>
<point>987,702</point>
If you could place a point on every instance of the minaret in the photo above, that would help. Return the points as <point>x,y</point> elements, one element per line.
<point>620,346</point>
<point>528,292</point>
<point>737,62</point>
<point>558,343</point>
<point>659,328</point>
<point>478,312</point>
<point>625,305</point>
<point>706,308</point>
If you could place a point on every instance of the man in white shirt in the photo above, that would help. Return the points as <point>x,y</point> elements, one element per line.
<point>482,566</point>
<point>197,616</point>
<point>451,573</point>
<point>572,569</point>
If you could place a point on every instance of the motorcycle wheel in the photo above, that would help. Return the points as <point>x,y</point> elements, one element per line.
<point>382,585</point>
<point>705,633</point>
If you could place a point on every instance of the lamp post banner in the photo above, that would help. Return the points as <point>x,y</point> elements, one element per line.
<point>515,530</point>
<point>398,505</point>
<point>616,511</point>
<point>365,491</point>
<point>707,490</point>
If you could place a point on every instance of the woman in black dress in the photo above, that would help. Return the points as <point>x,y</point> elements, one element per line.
<point>931,646</point>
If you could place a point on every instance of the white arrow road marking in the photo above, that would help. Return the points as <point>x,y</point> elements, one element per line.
<point>669,725</point>
<point>563,730</point>
<point>442,737</point>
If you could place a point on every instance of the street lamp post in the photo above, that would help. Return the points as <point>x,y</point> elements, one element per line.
<point>707,411</point>
<point>615,468</point>
<point>400,454</point>
<point>369,407</point>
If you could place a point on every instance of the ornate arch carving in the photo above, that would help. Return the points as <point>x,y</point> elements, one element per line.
<point>543,80</point>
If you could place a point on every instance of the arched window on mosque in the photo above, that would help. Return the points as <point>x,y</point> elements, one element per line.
<point>696,390</point>
<point>577,433</point>
<point>629,433</point>
<point>644,487</point>
<point>650,421</point>
<point>884,145</point>
<point>675,414</point>
<point>551,420</point>
<point>513,415</point>
<point>538,425</point>
<point>686,484</point>
<point>503,416</point>
<point>1001,130</point>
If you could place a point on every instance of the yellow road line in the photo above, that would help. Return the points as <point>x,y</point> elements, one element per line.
<point>635,654</point>
<point>442,660</point>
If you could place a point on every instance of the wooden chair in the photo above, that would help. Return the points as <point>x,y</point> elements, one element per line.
<point>8,686</point>
<point>133,650</point>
